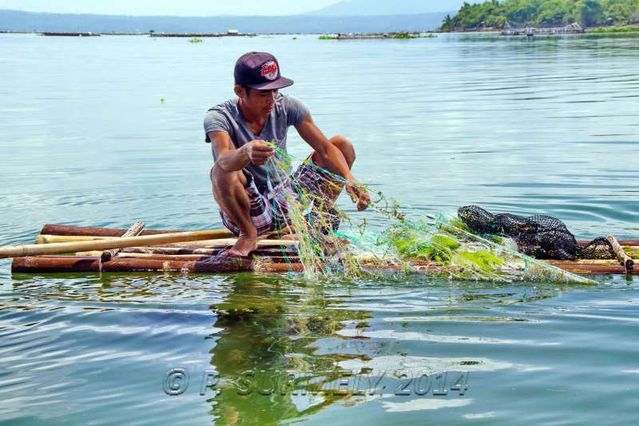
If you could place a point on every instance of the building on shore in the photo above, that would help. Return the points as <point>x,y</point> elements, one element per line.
<point>531,31</point>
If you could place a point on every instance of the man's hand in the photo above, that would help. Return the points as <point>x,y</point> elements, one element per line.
<point>358,194</point>
<point>258,152</point>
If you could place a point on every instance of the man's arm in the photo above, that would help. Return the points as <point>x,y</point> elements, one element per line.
<point>328,152</point>
<point>231,159</point>
<point>333,157</point>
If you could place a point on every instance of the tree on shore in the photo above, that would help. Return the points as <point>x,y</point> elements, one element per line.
<point>495,13</point>
<point>590,12</point>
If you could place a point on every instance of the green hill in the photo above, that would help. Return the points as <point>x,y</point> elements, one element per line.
<point>495,14</point>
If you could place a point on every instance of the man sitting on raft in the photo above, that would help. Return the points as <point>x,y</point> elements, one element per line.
<point>250,194</point>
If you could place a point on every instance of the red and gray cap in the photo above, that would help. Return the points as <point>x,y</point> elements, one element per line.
<point>261,71</point>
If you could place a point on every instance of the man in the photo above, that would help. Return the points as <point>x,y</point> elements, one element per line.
<point>245,185</point>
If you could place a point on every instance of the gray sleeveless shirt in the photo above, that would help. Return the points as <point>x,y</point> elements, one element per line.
<point>226,117</point>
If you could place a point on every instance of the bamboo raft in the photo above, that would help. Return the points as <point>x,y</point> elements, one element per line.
<point>89,249</point>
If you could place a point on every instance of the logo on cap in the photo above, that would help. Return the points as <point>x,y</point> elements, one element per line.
<point>269,70</point>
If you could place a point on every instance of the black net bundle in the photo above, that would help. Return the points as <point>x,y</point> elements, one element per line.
<point>599,248</point>
<point>539,236</point>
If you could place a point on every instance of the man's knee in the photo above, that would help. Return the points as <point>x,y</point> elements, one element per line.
<point>346,147</point>
<point>223,181</point>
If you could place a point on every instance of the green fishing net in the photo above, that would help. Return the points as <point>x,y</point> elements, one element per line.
<point>441,246</point>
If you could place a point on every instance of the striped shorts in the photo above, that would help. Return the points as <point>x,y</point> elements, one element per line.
<point>269,212</point>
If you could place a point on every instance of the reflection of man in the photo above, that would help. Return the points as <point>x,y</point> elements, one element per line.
<point>247,189</point>
<point>268,335</point>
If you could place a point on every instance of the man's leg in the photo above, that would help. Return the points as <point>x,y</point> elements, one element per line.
<point>325,186</point>
<point>229,190</point>
<point>346,148</point>
<point>348,151</point>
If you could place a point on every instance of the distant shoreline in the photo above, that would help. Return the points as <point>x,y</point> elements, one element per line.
<point>625,29</point>
<point>594,29</point>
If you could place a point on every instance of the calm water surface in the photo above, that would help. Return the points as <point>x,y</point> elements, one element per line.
<point>106,131</point>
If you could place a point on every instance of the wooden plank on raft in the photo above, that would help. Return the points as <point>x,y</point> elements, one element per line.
<point>625,260</point>
<point>198,254</point>
<point>55,264</point>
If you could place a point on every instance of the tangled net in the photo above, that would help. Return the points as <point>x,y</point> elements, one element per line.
<point>441,246</point>
<point>542,237</point>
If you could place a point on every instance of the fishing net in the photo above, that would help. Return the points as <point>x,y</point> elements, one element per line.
<point>441,246</point>
<point>542,237</point>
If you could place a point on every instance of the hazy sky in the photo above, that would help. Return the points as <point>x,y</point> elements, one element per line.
<point>169,7</point>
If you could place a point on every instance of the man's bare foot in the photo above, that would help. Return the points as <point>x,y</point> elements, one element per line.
<point>244,246</point>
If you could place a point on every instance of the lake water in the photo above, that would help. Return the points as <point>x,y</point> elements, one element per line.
<point>107,131</point>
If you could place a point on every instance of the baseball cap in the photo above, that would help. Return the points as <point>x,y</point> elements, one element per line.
<point>261,71</point>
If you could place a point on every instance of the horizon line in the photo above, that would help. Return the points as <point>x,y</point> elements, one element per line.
<point>220,16</point>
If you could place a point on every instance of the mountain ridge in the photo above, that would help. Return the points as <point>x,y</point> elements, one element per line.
<point>385,8</point>
<point>20,21</point>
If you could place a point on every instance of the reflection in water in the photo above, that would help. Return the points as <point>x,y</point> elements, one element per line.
<point>286,345</point>
<point>281,347</point>
<point>267,356</point>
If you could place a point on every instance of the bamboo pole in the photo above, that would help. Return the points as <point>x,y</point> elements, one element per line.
<point>625,260</point>
<point>264,251</point>
<point>222,241</point>
<point>55,264</point>
<point>221,264</point>
<point>56,229</point>
<point>229,242</point>
<point>139,262</point>
<point>290,251</point>
<point>201,257</point>
<point>148,240</point>
<point>629,243</point>
<point>54,239</point>
<point>278,262</point>
<point>70,230</point>
<point>633,252</point>
<point>592,267</point>
<point>135,230</point>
